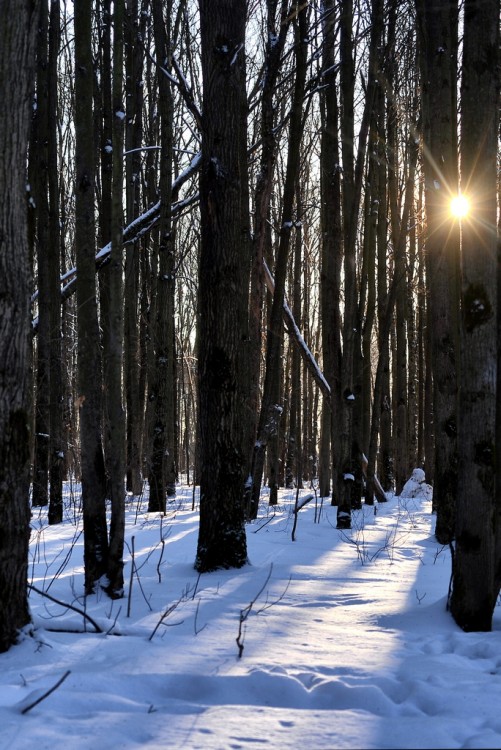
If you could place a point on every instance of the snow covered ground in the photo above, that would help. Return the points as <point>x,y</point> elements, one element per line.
<point>343,639</point>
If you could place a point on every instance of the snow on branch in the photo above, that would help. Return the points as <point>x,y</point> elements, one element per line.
<point>132,232</point>
<point>294,332</point>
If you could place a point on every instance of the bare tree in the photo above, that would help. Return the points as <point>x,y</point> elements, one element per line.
<point>113,363</point>
<point>276,34</point>
<point>18,21</point>
<point>163,470</point>
<point>57,447</point>
<point>271,407</point>
<point>476,570</point>
<point>134,31</point>
<point>89,355</point>
<point>38,154</point>
<point>437,24</point>
<point>223,287</point>
<point>330,279</point>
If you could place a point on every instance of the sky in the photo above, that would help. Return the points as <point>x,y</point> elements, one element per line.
<point>331,640</point>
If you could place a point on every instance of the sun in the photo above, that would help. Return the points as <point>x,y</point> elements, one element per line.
<point>459,206</point>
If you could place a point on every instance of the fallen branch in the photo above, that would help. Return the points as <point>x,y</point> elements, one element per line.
<point>46,694</point>
<point>378,489</point>
<point>67,606</point>
<point>297,507</point>
<point>264,524</point>
<point>304,501</point>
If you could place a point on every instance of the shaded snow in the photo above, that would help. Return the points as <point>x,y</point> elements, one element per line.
<point>347,646</point>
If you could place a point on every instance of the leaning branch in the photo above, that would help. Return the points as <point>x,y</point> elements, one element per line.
<point>132,232</point>
<point>293,331</point>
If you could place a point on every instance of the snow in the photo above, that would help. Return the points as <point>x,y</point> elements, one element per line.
<point>346,639</point>
<point>416,486</point>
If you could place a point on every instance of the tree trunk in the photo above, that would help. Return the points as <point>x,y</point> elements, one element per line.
<point>89,356</point>
<point>103,123</point>
<point>369,272</point>
<point>18,21</point>
<point>41,196</point>
<point>476,566</point>
<point>294,442</point>
<point>271,408</point>
<point>421,341</point>
<point>113,362</point>
<point>331,256</point>
<point>162,393</point>
<point>223,287</point>
<point>57,445</point>
<point>345,468</point>
<point>133,137</point>
<point>385,323</point>
<point>264,186</point>
<point>437,23</point>
<point>383,404</point>
<point>400,357</point>
<point>412,342</point>
<point>349,479</point>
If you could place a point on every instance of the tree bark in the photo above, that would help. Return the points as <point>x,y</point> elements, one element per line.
<point>332,253</point>
<point>223,287</point>
<point>18,21</point>
<point>57,447</point>
<point>133,136</point>
<point>41,196</point>
<point>349,474</point>
<point>293,466</point>
<point>113,362</point>
<point>162,393</point>
<point>476,564</point>
<point>275,42</point>
<point>437,25</point>
<point>89,356</point>
<point>271,407</point>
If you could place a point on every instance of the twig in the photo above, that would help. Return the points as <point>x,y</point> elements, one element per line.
<point>162,542</point>
<point>196,585</point>
<point>420,598</point>
<point>451,579</point>
<point>135,569</point>
<point>183,598</point>
<point>244,614</point>
<point>254,531</point>
<point>195,625</point>
<point>62,566</point>
<point>108,632</point>
<point>68,606</point>
<point>47,693</point>
<point>132,564</point>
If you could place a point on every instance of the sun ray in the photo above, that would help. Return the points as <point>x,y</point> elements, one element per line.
<point>459,206</point>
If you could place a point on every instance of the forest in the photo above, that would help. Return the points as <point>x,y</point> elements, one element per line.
<point>249,244</point>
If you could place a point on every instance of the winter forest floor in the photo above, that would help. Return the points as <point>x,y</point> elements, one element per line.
<point>344,639</point>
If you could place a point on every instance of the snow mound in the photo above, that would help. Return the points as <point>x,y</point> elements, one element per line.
<point>416,486</point>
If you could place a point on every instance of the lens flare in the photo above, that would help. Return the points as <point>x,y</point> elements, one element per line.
<point>460,206</point>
